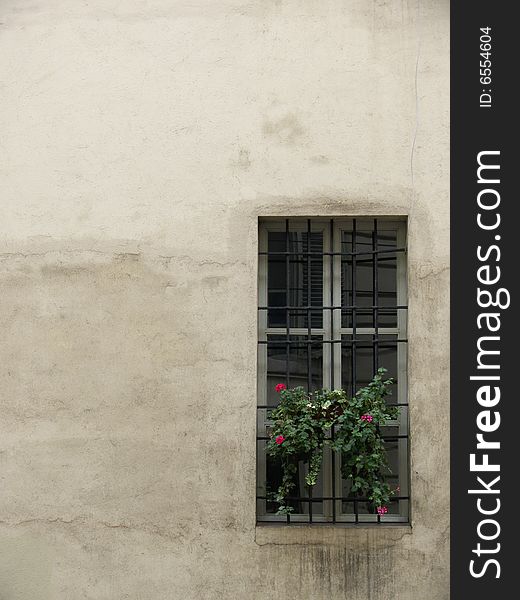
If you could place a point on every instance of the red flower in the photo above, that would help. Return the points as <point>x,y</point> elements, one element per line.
<point>280,387</point>
<point>279,439</point>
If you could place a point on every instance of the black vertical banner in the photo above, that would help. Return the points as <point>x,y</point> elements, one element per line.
<point>485,364</point>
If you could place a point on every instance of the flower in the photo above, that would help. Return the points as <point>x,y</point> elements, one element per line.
<point>382,510</point>
<point>279,439</point>
<point>280,387</point>
<point>368,418</point>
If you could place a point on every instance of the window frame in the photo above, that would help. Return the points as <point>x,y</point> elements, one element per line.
<point>332,329</point>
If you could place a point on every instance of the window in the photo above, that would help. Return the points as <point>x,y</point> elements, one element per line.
<point>332,310</point>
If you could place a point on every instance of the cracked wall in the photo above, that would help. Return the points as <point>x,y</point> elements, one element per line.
<point>140,143</point>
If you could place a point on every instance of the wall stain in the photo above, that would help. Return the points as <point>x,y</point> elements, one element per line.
<point>320,159</point>
<point>286,130</point>
<point>243,161</point>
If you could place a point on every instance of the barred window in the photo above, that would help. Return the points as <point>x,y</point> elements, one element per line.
<point>332,310</point>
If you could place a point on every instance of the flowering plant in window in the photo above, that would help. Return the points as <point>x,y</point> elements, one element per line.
<point>301,430</point>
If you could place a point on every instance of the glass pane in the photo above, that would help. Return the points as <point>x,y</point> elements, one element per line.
<point>370,291</point>
<point>387,278</point>
<point>387,358</point>
<point>349,506</point>
<point>358,367</point>
<point>295,360</point>
<point>273,479</point>
<point>357,285</point>
<point>396,452</point>
<point>295,280</point>
<point>392,450</point>
<point>347,301</point>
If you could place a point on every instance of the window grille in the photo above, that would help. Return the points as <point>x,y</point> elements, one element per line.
<point>332,310</point>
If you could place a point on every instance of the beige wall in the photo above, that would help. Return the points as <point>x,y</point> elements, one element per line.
<point>140,141</point>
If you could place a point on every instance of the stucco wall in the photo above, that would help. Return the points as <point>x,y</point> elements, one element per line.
<point>139,143</point>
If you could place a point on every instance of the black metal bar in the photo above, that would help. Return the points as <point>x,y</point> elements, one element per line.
<point>304,499</point>
<point>332,350</point>
<point>309,326</point>
<point>354,323</point>
<point>362,343</point>
<point>265,521</point>
<point>375,287</point>
<point>354,316</point>
<point>287,302</point>
<point>281,253</point>
<point>402,436</point>
<point>287,317</point>
<point>343,308</point>
<point>273,406</point>
<point>310,503</point>
<point>381,259</point>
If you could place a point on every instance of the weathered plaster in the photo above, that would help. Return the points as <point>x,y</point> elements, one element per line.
<point>140,143</point>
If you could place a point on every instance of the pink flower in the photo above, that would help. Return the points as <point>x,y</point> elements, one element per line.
<point>382,510</point>
<point>279,439</point>
<point>368,418</point>
<point>280,387</point>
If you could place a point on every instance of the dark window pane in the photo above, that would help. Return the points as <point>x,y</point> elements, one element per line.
<point>395,448</point>
<point>357,274</point>
<point>296,280</point>
<point>358,364</point>
<point>363,279</point>
<point>387,278</point>
<point>296,360</point>
<point>273,475</point>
